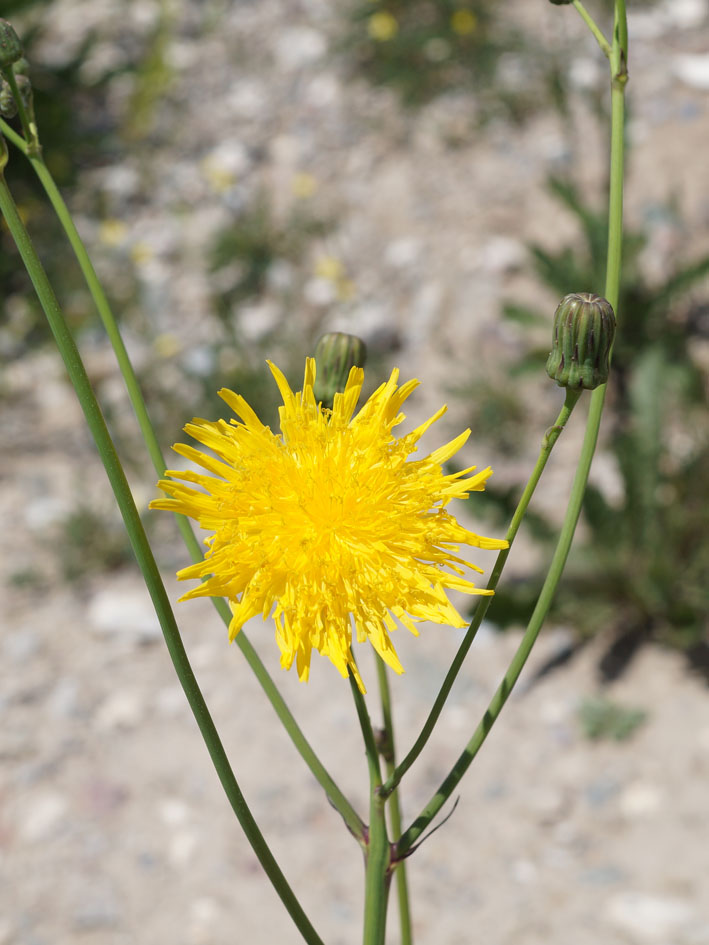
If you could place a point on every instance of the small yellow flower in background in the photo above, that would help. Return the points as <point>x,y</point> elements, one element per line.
<point>330,268</point>
<point>382,26</point>
<point>333,270</point>
<point>220,178</point>
<point>166,345</point>
<point>112,232</point>
<point>141,253</point>
<point>464,22</point>
<point>304,185</point>
<point>329,524</point>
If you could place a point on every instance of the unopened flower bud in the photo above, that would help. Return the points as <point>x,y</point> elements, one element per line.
<point>21,67</point>
<point>10,45</point>
<point>335,355</point>
<point>8,108</point>
<point>584,326</point>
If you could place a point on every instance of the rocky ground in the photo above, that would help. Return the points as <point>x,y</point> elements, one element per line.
<point>113,826</point>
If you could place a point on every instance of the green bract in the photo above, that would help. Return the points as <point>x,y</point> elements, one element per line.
<point>10,45</point>
<point>336,354</point>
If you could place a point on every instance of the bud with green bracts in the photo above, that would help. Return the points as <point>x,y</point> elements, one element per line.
<point>584,327</point>
<point>335,355</point>
<point>8,107</point>
<point>10,46</point>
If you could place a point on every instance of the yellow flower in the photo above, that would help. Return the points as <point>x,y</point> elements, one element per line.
<point>329,524</point>
<point>303,185</point>
<point>330,268</point>
<point>112,232</point>
<point>382,26</point>
<point>464,22</point>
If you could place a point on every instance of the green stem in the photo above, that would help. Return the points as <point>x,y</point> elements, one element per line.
<point>590,22</point>
<point>333,792</point>
<point>377,877</point>
<point>389,755</point>
<point>550,438</point>
<point>377,874</point>
<point>612,291</point>
<point>370,742</point>
<point>146,561</point>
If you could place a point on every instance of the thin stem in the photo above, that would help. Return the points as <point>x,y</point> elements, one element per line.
<point>612,291</point>
<point>146,562</point>
<point>389,755</point>
<point>333,792</point>
<point>619,79</point>
<point>377,875</point>
<point>597,32</point>
<point>370,743</point>
<point>550,438</point>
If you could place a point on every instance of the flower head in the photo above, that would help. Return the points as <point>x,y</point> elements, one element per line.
<point>382,26</point>
<point>329,524</point>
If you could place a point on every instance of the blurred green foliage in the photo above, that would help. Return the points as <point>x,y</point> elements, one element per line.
<point>92,541</point>
<point>643,571</point>
<point>601,718</point>
<point>246,251</point>
<point>422,48</point>
<point>426,48</point>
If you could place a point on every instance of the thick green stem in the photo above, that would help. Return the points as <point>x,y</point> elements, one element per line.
<point>377,873</point>
<point>146,561</point>
<point>377,877</point>
<point>334,794</point>
<point>550,438</point>
<point>618,63</point>
<point>388,752</point>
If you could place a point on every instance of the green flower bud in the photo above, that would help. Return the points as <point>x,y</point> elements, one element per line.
<point>8,108</point>
<point>335,355</point>
<point>584,326</point>
<point>10,45</point>
<point>21,67</point>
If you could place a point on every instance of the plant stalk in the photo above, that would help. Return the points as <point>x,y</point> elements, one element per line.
<point>597,32</point>
<point>377,870</point>
<point>550,438</point>
<point>389,755</point>
<point>619,75</point>
<point>333,792</point>
<point>146,562</point>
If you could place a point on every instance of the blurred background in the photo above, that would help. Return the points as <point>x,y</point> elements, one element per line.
<point>430,175</point>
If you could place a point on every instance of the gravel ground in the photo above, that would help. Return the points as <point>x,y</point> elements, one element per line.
<point>113,827</point>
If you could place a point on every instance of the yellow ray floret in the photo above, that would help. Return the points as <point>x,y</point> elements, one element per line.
<point>328,527</point>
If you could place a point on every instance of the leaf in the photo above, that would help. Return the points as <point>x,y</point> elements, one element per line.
<point>680,282</point>
<point>523,315</point>
<point>603,520</point>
